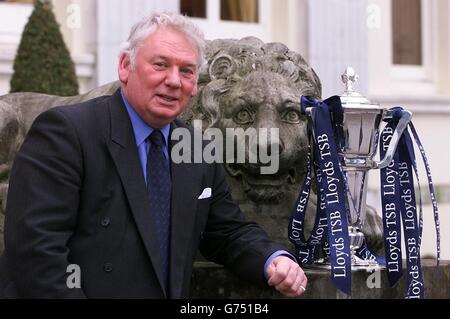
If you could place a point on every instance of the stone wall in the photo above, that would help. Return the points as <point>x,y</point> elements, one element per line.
<point>215,282</point>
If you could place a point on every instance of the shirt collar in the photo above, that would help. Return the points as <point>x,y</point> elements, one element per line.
<point>141,129</point>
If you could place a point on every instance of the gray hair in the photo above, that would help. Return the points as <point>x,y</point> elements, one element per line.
<point>150,23</point>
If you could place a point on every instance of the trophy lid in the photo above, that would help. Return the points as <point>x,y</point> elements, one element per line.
<point>350,97</point>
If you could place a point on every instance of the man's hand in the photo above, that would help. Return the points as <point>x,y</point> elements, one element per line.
<point>286,276</point>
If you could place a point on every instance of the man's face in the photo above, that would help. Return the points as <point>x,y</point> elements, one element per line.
<point>164,78</point>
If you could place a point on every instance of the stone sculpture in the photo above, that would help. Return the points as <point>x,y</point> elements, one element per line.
<point>251,84</point>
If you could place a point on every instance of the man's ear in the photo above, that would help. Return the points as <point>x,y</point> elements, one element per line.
<point>124,68</point>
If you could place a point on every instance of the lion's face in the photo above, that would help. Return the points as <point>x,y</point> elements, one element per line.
<point>265,100</point>
<point>248,84</point>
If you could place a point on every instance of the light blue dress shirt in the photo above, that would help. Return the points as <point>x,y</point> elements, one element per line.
<point>141,131</point>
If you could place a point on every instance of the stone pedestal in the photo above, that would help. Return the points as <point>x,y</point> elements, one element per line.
<point>212,281</point>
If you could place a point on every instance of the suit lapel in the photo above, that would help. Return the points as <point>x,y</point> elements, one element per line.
<point>122,147</point>
<point>184,206</point>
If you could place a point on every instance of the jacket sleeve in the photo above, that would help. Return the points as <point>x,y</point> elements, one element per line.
<point>42,205</point>
<point>242,246</point>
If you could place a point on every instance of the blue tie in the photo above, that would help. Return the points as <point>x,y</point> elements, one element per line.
<point>159,186</point>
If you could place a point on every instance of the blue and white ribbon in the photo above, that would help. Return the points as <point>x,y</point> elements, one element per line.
<point>331,196</point>
<point>399,199</point>
<point>330,231</point>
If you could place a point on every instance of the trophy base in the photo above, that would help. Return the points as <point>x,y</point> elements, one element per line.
<point>357,264</point>
<point>320,264</point>
<point>365,264</point>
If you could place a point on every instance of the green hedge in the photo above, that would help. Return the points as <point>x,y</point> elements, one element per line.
<point>43,63</point>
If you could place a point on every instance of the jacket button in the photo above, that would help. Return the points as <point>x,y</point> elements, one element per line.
<point>105,221</point>
<point>108,267</point>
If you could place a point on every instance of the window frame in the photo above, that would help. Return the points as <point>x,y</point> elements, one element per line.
<point>424,71</point>
<point>386,78</point>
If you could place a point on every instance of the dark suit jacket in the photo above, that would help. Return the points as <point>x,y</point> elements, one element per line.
<point>77,195</point>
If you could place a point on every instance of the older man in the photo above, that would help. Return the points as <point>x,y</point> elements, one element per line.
<point>94,188</point>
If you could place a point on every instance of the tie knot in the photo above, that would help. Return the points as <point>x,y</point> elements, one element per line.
<point>156,138</point>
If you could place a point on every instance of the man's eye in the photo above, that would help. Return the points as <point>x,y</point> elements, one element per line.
<point>243,117</point>
<point>291,117</point>
<point>187,71</point>
<point>159,65</point>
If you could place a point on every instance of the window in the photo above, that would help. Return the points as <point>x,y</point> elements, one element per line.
<point>239,10</point>
<point>411,45</point>
<point>230,10</point>
<point>230,18</point>
<point>402,47</point>
<point>407,32</point>
<point>193,8</point>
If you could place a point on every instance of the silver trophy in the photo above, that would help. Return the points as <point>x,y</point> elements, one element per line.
<point>361,126</point>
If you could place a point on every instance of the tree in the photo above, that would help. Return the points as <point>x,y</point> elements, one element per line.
<point>43,63</point>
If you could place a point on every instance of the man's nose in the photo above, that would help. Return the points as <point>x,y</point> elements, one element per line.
<point>173,79</point>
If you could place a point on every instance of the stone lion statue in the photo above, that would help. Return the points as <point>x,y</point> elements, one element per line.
<point>251,84</point>
<point>245,84</point>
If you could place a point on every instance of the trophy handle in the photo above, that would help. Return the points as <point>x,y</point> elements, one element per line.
<point>401,126</point>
